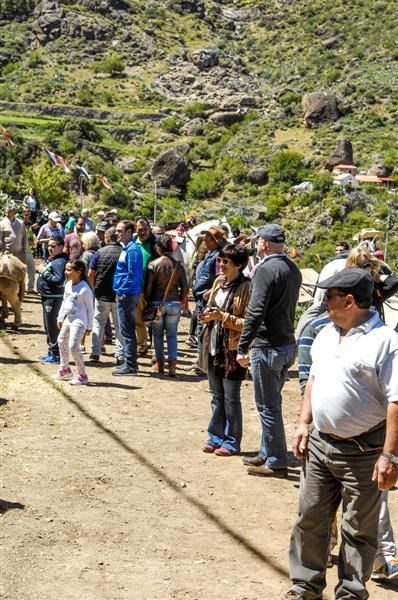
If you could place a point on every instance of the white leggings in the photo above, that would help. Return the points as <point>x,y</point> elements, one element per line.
<point>70,338</point>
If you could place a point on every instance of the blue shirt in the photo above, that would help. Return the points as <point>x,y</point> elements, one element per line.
<point>129,270</point>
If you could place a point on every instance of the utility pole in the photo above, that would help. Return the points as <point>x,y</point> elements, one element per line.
<point>81,191</point>
<point>389,226</point>
<point>155,206</point>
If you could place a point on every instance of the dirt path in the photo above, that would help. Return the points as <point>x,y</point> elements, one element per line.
<point>107,496</point>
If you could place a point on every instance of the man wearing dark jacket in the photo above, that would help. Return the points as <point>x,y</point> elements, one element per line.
<point>269,331</point>
<point>100,275</point>
<point>50,285</point>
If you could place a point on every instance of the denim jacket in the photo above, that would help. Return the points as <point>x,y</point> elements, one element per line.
<point>206,274</point>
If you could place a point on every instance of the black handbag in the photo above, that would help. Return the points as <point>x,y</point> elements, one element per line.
<point>152,313</point>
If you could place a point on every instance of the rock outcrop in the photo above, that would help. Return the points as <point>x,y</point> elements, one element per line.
<point>320,107</point>
<point>342,155</point>
<point>258,176</point>
<point>170,169</point>
<point>379,168</point>
<point>227,118</point>
<point>205,58</point>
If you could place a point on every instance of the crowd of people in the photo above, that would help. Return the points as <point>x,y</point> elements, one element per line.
<point>244,319</point>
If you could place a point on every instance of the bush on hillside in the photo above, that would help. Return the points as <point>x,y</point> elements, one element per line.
<point>111,64</point>
<point>287,167</point>
<point>195,110</point>
<point>170,125</point>
<point>205,184</point>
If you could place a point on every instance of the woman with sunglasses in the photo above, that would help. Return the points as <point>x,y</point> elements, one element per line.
<point>223,318</point>
<point>385,284</point>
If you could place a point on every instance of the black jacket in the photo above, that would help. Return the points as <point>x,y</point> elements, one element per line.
<point>269,320</point>
<point>104,264</point>
<point>50,283</point>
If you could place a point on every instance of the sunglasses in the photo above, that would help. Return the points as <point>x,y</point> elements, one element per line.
<point>223,261</point>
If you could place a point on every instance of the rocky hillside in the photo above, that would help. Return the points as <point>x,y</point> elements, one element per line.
<point>225,105</point>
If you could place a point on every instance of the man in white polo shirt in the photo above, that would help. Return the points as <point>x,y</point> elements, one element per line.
<point>347,438</point>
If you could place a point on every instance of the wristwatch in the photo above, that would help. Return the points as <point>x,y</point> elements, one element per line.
<point>392,457</point>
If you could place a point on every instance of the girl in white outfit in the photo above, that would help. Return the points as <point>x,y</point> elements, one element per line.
<point>74,319</point>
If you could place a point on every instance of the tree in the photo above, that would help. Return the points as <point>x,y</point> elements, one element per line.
<point>49,183</point>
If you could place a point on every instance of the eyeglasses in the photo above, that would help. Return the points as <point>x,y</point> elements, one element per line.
<point>329,295</point>
<point>223,261</point>
<point>366,265</point>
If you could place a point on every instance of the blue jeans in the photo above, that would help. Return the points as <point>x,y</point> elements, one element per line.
<point>126,316</point>
<point>225,426</point>
<point>269,371</point>
<point>168,322</point>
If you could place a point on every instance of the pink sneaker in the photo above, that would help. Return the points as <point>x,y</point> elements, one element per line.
<point>63,374</point>
<point>80,380</point>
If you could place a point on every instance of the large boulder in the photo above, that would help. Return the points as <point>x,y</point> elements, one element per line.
<point>169,168</point>
<point>226,118</point>
<point>205,58</point>
<point>320,107</point>
<point>379,168</point>
<point>193,127</point>
<point>46,26</point>
<point>342,155</point>
<point>258,176</point>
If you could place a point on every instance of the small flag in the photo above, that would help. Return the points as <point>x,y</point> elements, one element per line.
<point>52,156</point>
<point>6,136</point>
<point>62,163</point>
<point>58,161</point>
<point>104,182</point>
<point>85,173</point>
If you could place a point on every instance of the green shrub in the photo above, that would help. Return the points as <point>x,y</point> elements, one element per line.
<point>84,96</point>
<point>170,125</point>
<point>111,65</point>
<point>287,167</point>
<point>195,110</point>
<point>10,67</point>
<point>34,58</point>
<point>205,184</point>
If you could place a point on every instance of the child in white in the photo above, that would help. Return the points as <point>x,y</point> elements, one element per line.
<point>74,319</point>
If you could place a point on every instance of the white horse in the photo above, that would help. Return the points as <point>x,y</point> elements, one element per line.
<point>187,245</point>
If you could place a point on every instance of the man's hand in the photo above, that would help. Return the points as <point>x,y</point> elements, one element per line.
<point>300,440</point>
<point>385,473</point>
<point>243,360</point>
<point>120,298</point>
<point>59,324</point>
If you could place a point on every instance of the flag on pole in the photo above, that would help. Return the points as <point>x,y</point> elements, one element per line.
<point>6,136</point>
<point>84,173</point>
<point>58,161</point>
<point>104,182</point>
<point>52,156</point>
<point>62,164</point>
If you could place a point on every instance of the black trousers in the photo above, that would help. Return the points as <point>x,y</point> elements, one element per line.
<point>51,308</point>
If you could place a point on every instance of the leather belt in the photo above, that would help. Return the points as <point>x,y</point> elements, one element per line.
<point>375,428</point>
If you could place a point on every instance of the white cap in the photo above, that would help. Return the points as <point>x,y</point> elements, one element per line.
<point>54,216</point>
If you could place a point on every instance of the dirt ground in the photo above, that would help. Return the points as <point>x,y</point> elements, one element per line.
<point>106,494</point>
